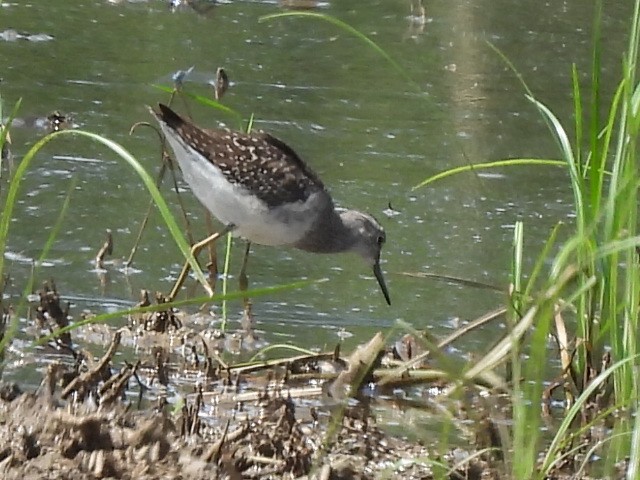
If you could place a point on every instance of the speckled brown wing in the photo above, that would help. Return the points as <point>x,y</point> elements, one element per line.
<point>263,165</point>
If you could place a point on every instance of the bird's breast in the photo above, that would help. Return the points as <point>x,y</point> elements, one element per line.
<point>254,219</point>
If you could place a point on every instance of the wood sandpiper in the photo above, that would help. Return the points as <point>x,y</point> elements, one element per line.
<point>261,190</point>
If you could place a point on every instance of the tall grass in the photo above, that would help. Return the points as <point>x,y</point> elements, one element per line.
<point>603,247</point>
<point>593,283</point>
<point>589,298</point>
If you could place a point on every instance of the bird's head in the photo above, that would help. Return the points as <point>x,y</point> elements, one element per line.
<point>368,237</point>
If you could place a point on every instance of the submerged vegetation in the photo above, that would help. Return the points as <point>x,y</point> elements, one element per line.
<point>529,418</point>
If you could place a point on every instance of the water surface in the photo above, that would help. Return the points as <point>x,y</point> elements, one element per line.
<point>371,135</point>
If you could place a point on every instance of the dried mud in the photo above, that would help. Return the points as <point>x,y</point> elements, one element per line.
<point>117,415</point>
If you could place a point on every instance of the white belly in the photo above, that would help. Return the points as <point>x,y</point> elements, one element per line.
<point>230,204</point>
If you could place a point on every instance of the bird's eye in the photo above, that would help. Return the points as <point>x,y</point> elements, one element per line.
<point>380,239</point>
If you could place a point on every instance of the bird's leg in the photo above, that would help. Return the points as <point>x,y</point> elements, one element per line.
<point>195,250</point>
<point>244,281</point>
<point>212,266</point>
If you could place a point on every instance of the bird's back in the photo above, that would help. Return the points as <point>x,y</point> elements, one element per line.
<point>263,165</point>
<point>253,181</point>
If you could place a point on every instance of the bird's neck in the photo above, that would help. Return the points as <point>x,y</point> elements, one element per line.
<point>328,235</point>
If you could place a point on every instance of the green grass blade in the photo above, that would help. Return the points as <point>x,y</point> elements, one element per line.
<point>540,262</point>
<point>225,280</point>
<point>257,292</point>
<point>494,164</point>
<point>349,29</point>
<point>4,131</point>
<point>278,346</point>
<point>250,124</point>
<point>577,108</point>
<point>595,92</point>
<point>516,300</point>
<point>560,135</point>
<point>511,67</point>
<point>209,102</point>
<point>13,326</point>
<point>554,449</point>
<point>174,229</point>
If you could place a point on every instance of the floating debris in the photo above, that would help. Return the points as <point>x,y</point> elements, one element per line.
<point>221,83</point>
<point>59,121</point>
<point>11,35</point>
<point>51,315</point>
<point>180,76</point>
<point>106,249</point>
<point>53,122</point>
<point>202,7</point>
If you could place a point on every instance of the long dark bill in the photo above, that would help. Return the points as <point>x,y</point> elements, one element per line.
<point>383,286</point>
